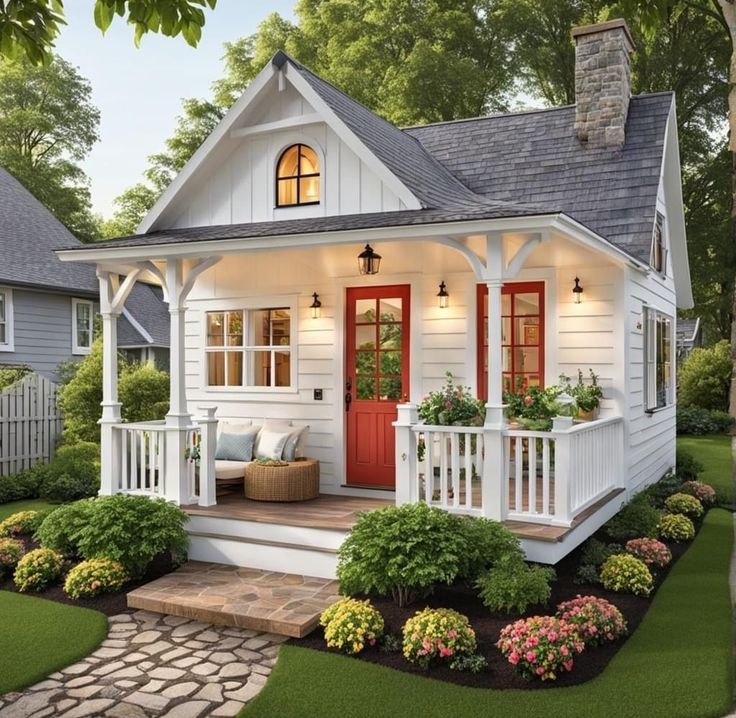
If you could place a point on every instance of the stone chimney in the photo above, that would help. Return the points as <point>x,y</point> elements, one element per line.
<point>602,83</point>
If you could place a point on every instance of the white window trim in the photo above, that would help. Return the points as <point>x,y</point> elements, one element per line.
<point>76,349</point>
<point>9,344</point>
<point>665,244</point>
<point>248,304</point>
<point>650,315</point>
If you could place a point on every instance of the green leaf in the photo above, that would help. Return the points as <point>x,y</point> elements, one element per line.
<point>103,15</point>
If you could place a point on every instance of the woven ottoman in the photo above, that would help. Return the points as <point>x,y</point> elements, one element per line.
<point>298,481</point>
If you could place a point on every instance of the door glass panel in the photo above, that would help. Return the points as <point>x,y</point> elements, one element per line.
<point>505,304</point>
<point>365,363</point>
<point>365,311</point>
<point>506,359</point>
<point>533,380</point>
<point>365,387</point>
<point>505,328</point>
<point>526,359</point>
<point>507,382</point>
<point>526,303</point>
<point>390,388</point>
<point>390,310</point>
<point>527,331</point>
<point>390,363</point>
<point>365,337</point>
<point>390,336</point>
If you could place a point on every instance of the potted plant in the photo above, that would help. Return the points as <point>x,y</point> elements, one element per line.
<point>587,396</point>
<point>533,408</point>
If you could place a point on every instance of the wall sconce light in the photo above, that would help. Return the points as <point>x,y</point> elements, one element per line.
<point>315,306</point>
<point>368,261</point>
<point>443,296</point>
<point>577,291</point>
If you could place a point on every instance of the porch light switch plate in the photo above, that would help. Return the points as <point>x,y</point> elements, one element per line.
<point>318,394</point>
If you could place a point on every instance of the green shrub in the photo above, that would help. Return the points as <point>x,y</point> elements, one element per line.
<point>20,486</point>
<point>437,633</point>
<point>73,474</point>
<point>132,530</point>
<point>351,624</point>
<point>624,573</point>
<point>486,543</point>
<point>11,551</point>
<point>37,569</point>
<point>684,504</point>
<point>11,375</point>
<point>676,527</point>
<point>144,392</point>
<point>704,377</point>
<point>22,522</point>
<point>92,578</point>
<point>697,421</point>
<point>636,519</point>
<point>513,585</point>
<point>595,552</point>
<point>687,467</point>
<point>587,574</point>
<point>661,490</point>
<point>60,529</point>
<point>472,663</point>
<point>596,619</point>
<point>400,551</point>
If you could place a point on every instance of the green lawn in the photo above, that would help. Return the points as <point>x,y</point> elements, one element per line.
<point>28,505</point>
<point>714,452</point>
<point>677,665</point>
<point>39,637</point>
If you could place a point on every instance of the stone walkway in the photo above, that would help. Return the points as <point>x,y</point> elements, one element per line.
<point>155,665</point>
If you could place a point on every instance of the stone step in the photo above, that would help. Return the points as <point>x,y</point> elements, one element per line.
<point>282,603</point>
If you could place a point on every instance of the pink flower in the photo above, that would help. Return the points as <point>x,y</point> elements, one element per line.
<point>567,665</point>
<point>531,656</point>
<point>514,657</point>
<point>540,671</point>
<point>528,401</point>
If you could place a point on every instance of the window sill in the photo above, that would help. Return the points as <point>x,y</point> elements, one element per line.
<point>80,351</point>
<point>659,409</point>
<point>7,348</point>
<point>252,391</point>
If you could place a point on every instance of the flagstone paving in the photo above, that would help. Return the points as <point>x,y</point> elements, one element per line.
<point>155,665</point>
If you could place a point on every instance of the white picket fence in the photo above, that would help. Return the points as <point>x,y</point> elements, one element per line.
<point>30,423</point>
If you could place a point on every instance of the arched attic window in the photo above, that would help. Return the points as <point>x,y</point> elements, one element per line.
<point>297,177</point>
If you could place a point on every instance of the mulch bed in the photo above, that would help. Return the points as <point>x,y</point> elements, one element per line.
<point>500,674</point>
<point>110,604</point>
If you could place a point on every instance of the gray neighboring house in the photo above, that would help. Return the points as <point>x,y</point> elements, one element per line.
<point>47,307</point>
<point>689,336</point>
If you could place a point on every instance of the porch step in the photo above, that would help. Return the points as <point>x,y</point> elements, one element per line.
<point>282,603</point>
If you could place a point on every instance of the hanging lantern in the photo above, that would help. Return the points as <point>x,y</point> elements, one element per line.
<point>577,291</point>
<point>368,261</point>
<point>315,306</point>
<point>444,297</point>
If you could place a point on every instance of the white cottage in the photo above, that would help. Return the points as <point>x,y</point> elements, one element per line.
<point>267,245</point>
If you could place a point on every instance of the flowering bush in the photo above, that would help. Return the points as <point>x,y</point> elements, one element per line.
<point>23,522</point>
<point>453,405</point>
<point>437,633</point>
<point>11,551</point>
<point>625,573</point>
<point>684,504</point>
<point>541,646</point>
<point>704,493</point>
<point>652,552</point>
<point>349,624</point>
<point>596,619</point>
<point>676,527</point>
<point>533,407</point>
<point>37,569</point>
<point>91,578</point>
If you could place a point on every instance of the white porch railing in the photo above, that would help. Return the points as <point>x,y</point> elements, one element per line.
<point>547,477</point>
<point>149,462</point>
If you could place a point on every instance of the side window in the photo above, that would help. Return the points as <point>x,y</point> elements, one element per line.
<point>82,325</point>
<point>658,379</point>
<point>297,177</point>
<point>658,259</point>
<point>6,320</point>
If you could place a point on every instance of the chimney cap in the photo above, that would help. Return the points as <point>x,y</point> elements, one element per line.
<point>602,27</point>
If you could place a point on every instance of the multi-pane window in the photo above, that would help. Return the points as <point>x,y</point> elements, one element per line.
<point>658,379</point>
<point>82,326</point>
<point>658,259</point>
<point>249,347</point>
<point>6,325</point>
<point>297,176</point>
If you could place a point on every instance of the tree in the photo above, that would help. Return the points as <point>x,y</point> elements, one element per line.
<point>28,28</point>
<point>47,125</point>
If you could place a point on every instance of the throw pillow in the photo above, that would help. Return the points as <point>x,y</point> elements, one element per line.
<point>294,443</point>
<point>271,444</point>
<point>235,447</point>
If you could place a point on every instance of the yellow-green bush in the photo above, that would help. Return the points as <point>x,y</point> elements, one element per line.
<point>91,578</point>
<point>22,522</point>
<point>676,527</point>
<point>37,569</point>
<point>437,633</point>
<point>11,551</point>
<point>351,624</point>
<point>624,573</point>
<point>684,504</point>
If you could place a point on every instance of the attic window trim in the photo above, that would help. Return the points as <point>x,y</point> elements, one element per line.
<point>7,321</point>
<point>659,249</point>
<point>299,176</point>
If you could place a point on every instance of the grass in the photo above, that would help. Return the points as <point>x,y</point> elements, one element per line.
<point>714,452</point>
<point>40,637</point>
<point>27,505</point>
<point>677,665</point>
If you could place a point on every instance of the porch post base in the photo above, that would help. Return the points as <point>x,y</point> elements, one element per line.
<point>176,482</point>
<point>407,490</point>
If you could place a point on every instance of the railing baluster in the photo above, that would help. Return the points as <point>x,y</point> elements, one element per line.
<point>469,441</point>
<point>532,497</point>
<point>545,476</point>
<point>428,466</point>
<point>455,468</point>
<point>124,469</point>
<point>443,469</point>
<point>519,479</point>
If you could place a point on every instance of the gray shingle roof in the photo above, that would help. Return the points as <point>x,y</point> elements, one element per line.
<point>29,234</point>
<point>147,307</point>
<point>535,158</point>
<point>686,329</point>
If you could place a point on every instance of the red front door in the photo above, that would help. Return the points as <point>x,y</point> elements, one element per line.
<point>376,380</point>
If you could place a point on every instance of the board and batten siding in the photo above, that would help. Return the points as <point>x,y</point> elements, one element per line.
<point>42,330</point>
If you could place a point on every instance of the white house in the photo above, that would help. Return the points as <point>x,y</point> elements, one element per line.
<point>257,245</point>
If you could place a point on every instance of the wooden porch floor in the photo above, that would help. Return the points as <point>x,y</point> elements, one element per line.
<point>339,513</point>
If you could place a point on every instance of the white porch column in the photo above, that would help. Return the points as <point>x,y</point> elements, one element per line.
<point>407,490</point>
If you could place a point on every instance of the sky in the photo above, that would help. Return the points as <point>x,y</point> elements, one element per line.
<point>139,91</point>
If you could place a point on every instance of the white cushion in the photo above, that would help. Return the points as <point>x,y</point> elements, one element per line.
<point>239,426</point>
<point>279,426</point>
<point>294,448</point>
<point>230,469</point>
<point>271,444</point>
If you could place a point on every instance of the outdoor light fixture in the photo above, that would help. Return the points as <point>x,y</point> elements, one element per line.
<point>368,261</point>
<point>577,291</point>
<point>443,295</point>
<point>315,306</point>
